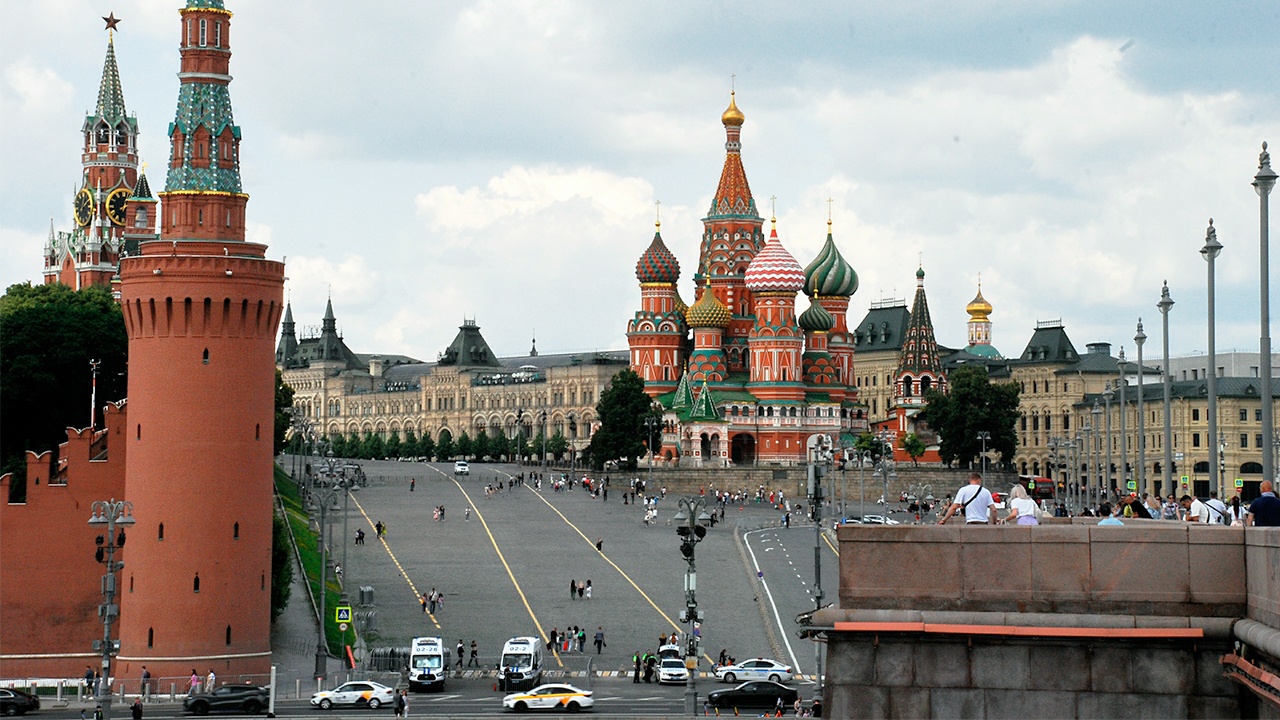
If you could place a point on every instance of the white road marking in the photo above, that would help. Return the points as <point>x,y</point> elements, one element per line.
<point>782,631</point>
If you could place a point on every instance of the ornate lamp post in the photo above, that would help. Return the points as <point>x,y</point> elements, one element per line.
<point>1165,304</point>
<point>651,422</point>
<point>330,479</point>
<point>1124,434</point>
<point>1107,393</point>
<point>519,437</point>
<point>1210,252</point>
<point>1095,492</point>
<point>1082,437</point>
<point>542,418</point>
<point>1262,183</point>
<point>573,446</point>
<point>1141,478</point>
<point>691,528</point>
<point>984,436</point>
<point>114,514</point>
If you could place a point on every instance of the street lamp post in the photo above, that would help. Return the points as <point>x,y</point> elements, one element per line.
<point>1140,338</point>
<point>820,461</point>
<point>1262,183</point>
<point>573,446</point>
<point>1095,493</point>
<point>114,514</point>
<point>984,436</point>
<point>542,417</point>
<point>1222,461</point>
<point>1124,433</point>
<point>651,422</point>
<point>334,479</point>
<point>691,530</point>
<point>1210,252</point>
<point>1165,304</point>
<point>1077,467</point>
<point>1107,393</point>
<point>519,437</point>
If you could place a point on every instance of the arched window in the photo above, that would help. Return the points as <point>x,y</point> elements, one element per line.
<point>161,533</point>
<point>235,531</point>
<point>151,637</point>
<point>228,639</point>
<point>206,356</point>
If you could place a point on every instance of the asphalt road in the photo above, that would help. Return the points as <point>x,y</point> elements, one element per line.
<point>505,569</point>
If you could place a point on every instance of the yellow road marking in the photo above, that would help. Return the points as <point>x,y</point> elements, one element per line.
<point>828,542</point>
<point>614,565</point>
<point>417,595</point>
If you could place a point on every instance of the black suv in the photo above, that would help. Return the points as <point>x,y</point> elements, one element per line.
<point>249,699</point>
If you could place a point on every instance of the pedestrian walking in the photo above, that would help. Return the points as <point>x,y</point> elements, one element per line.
<point>194,688</point>
<point>588,590</point>
<point>475,655</point>
<point>145,691</point>
<point>461,651</point>
<point>976,502</point>
<point>413,482</point>
<point>136,709</point>
<point>423,601</point>
<point>636,659</point>
<point>209,681</point>
<point>467,513</point>
<point>581,589</point>
<point>400,704</point>
<point>600,644</point>
<point>432,600</point>
<point>573,589</point>
<point>599,544</point>
<point>359,536</point>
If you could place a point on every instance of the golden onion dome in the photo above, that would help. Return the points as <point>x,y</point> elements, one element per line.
<point>708,312</point>
<point>732,115</point>
<point>979,308</point>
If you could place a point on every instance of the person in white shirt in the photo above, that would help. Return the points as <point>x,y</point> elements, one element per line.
<point>1217,510</point>
<point>1196,511</point>
<point>1022,509</point>
<point>975,500</point>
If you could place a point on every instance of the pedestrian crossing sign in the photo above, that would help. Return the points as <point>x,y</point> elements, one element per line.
<point>342,614</point>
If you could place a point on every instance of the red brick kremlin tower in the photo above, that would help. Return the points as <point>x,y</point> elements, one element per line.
<point>113,208</point>
<point>201,308</point>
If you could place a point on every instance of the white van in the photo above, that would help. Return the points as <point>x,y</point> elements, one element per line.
<point>521,664</point>
<point>428,664</point>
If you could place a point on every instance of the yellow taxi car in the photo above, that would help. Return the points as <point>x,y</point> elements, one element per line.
<point>550,697</point>
<point>361,693</point>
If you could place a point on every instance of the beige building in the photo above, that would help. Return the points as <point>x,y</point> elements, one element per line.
<point>466,389</point>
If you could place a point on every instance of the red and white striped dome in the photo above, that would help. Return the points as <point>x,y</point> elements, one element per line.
<point>774,269</point>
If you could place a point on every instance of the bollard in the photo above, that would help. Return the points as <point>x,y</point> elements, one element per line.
<point>79,692</point>
<point>297,688</point>
<point>173,692</point>
<point>60,691</point>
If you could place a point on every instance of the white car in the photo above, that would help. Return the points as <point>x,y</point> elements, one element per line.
<point>879,520</point>
<point>755,669</point>
<point>461,468</point>
<point>550,697</point>
<point>359,693</point>
<point>672,670</point>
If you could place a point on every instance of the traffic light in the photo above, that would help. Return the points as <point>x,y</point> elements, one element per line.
<point>683,531</point>
<point>686,549</point>
<point>699,531</point>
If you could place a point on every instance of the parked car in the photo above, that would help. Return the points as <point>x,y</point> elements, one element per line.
<point>249,699</point>
<point>550,697</point>
<point>359,693</point>
<point>672,670</point>
<point>754,669</point>
<point>461,468</point>
<point>753,694</point>
<point>879,520</point>
<point>17,702</point>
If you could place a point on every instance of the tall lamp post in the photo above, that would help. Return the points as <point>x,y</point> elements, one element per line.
<point>519,437</point>
<point>985,437</point>
<point>1140,338</point>
<point>1210,252</point>
<point>1077,467</point>
<point>1095,494</point>
<point>1107,393</point>
<point>573,446</point>
<point>651,422</point>
<point>542,418</point>
<point>819,463</point>
<point>331,478</point>
<point>1222,461</point>
<point>1165,304</point>
<point>1262,183</point>
<point>691,529</point>
<point>1124,432</point>
<point>115,515</point>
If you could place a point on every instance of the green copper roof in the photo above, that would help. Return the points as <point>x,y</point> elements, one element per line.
<point>110,95</point>
<point>816,319</point>
<point>829,273</point>
<point>205,105</point>
<point>205,5</point>
<point>684,396</point>
<point>704,409</point>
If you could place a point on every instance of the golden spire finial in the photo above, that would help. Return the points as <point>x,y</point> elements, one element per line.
<point>657,214</point>
<point>979,282</point>
<point>773,211</point>
<point>829,201</point>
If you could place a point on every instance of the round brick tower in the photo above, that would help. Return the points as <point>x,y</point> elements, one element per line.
<point>201,308</point>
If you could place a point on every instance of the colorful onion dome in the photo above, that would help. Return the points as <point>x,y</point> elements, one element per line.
<point>681,306</point>
<point>829,274</point>
<point>657,264</point>
<point>732,115</point>
<point>708,312</point>
<point>774,269</point>
<point>979,309</point>
<point>816,319</point>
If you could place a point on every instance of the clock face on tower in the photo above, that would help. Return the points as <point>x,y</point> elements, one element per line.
<point>115,205</point>
<point>84,207</point>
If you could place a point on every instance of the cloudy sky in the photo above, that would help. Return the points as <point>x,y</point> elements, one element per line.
<point>425,162</point>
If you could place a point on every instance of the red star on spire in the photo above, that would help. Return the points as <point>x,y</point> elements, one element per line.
<point>112,21</point>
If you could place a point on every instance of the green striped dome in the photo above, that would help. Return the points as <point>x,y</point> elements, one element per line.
<point>816,319</point>
<point>829,274</point>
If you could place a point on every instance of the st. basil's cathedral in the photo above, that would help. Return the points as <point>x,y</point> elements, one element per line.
<point>741,378</point>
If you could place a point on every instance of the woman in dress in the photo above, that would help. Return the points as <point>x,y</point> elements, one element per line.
<point>1022,509</point>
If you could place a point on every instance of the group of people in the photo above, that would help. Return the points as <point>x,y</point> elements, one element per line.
<point>432,602</point>
<point>978,506</point>
<point>574,639</point>
<point>462,650</point>
<point>578,590</point>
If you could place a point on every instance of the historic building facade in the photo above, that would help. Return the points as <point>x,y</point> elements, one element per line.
<point>741,376</point>
<point>467,389</point>
<point>113,209</point>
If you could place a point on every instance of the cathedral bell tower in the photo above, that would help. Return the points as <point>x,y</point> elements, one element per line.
<point>201,310</point>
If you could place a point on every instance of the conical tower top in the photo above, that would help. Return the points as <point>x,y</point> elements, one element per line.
<point>110,105</point>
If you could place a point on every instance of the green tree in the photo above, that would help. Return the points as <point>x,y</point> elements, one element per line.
<point>868,444</point>
<point>284,402</point>
<point>445,449</point>
<point>354,446</point>
<point>973,404</point>
<point>913,446</point>
<point>339,443</point>
<point>281,565</point>
<point>426,447</point>
<point>375,448</point>
<point>481,446</point>
<point>48,335</point>
<point>411,444</point>
<point>622,409</point>
<point>466,448</point>
<point>394,448</point>
<point>557,445</point>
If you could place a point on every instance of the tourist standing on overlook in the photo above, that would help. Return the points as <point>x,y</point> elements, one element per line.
<point>975,500</point>
<point>1264,511</point>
